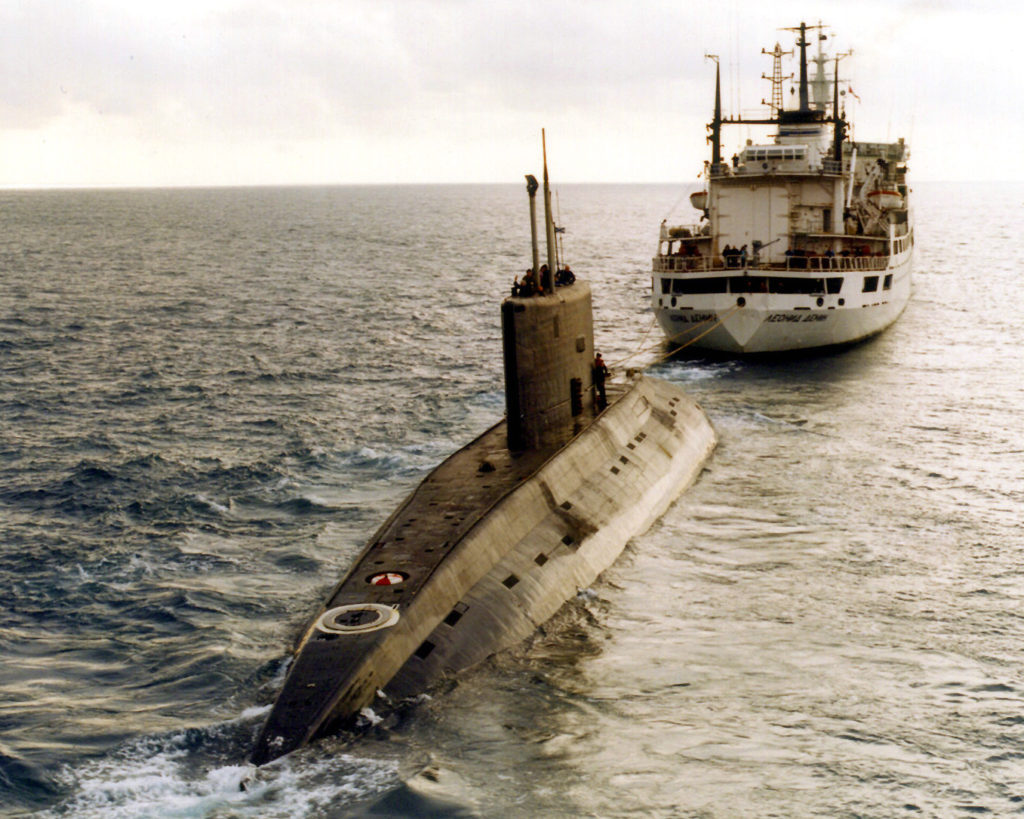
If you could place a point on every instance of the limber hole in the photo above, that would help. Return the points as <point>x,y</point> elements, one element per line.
<point>424,650</point>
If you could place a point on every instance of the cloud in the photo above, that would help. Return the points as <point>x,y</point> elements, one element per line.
<point>436,90</point>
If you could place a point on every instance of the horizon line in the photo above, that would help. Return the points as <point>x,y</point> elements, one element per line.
<point>265,185</point>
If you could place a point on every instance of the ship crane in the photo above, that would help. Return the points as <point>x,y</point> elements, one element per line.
<point>870,214</point>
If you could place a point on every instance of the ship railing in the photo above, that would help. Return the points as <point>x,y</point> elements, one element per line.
<point>828,166</point>
<point>707,264</point>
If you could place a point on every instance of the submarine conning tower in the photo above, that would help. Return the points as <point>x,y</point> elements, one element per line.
<point>548,343</point>
<point>547,331</point>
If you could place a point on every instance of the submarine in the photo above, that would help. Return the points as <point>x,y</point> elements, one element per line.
<point>504,531</point>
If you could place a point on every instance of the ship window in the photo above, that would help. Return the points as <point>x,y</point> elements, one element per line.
<point>870,284</point>
<point>748,284</point>
<point>711,285</point>
<point>792,285</point>
<point>834,285</point>
<point>666,285</point>
<point>510,581</point>
<point>424,650</point>
<point>567,540</point>
<point>887,282</point>
<point>785,285</point>
<point>826,220</point>
<point>453,617</point>
<point>541,559</point>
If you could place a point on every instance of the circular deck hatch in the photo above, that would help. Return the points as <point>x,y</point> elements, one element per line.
<point>357,618</point>
<point>387,578</point>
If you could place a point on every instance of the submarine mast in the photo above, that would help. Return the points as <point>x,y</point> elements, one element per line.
<point>548,282</point>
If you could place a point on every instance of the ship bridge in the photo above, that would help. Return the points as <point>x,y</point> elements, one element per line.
<point>779,158</point>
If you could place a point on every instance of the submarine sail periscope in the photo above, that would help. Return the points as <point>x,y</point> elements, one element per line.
<point>498,536</point>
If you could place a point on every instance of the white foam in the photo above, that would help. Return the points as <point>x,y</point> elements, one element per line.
<point>163,776</point>
<point>370,716</point>
<point>217,507</point>
<point>254,711</point>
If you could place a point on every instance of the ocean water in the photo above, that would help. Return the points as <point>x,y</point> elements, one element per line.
<point>210,398</point>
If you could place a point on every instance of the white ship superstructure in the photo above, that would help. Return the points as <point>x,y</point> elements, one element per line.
<point>805,241</point>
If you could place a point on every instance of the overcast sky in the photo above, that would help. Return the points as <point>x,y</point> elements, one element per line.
<point>229,92</point>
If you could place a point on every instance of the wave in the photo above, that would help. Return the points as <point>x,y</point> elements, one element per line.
<point>22,783</point>
<point>202,772</point>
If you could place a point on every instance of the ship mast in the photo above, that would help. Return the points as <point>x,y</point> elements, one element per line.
<point>805,104</point>
<point>716,123</point>
<point>839,120</point>
<point>802,42</point>
<point>776,78</point>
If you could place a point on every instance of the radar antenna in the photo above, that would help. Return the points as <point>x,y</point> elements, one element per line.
<point>776,78</point>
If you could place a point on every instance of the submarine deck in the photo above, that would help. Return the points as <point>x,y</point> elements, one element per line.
<point>435,517</point>
<point>330,672</point>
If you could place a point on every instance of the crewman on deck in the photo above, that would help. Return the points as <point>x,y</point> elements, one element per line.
<point>600,374</point>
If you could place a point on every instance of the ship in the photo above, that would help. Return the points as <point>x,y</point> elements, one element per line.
<point>504,531</point>
<point>803,241</point>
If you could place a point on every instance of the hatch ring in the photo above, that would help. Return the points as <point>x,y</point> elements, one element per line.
<point>357,618</point>
<point>387,578</point>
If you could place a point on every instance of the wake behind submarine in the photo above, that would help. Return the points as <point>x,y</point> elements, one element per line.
<point>503,532</point>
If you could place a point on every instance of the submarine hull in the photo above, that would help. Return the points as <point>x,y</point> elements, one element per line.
<point>487,548</point>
